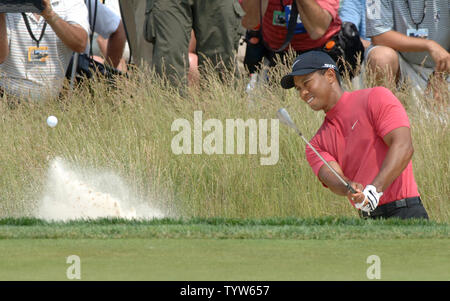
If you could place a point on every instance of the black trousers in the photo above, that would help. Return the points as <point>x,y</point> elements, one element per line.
<point>403,209</point>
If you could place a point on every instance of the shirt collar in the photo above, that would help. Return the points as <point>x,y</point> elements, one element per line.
<point>334,111</point>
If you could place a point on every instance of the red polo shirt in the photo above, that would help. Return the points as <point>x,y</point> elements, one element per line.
<point>352,135</point>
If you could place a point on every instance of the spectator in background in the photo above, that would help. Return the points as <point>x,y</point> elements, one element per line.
<point>255,50</point>
<point>318,27</point>
<point>193,74</point>
<point>33,58</point>
<point>411,39</point>
<point>354,11</point>
<point>169,24</point>
<point>111,31</point>
<point>133,17</point>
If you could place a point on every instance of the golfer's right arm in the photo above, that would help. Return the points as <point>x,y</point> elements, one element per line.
<point>4,47</point>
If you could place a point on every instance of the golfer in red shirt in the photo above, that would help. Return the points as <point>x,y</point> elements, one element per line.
<point>365,137</point>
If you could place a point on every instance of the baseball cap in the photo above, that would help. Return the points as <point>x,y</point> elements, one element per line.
<point>306,63</point>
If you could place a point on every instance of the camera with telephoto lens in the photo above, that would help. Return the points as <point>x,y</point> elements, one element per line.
<point>21,6</point>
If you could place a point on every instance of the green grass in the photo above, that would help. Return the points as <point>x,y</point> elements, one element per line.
<point>128,131</point>
<point>224,260</point>
<point>224,249</point>
<point>326,228</point>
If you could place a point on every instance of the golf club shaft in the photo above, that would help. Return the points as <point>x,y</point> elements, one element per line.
<point>350,188</point>
<point>283,115</point>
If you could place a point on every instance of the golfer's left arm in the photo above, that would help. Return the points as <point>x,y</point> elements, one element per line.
<point>397,158</point>
<point>328,178</point>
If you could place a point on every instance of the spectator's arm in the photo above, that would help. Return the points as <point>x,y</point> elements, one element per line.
<point>315,19</point>
<point>72,35</point>
<point>193,43</point>
<point>116,45</point>
<point>366,43</point>
<point>403,43</point>
<point>4,47</point>
<point>400,42</point>
<point>252,12</point>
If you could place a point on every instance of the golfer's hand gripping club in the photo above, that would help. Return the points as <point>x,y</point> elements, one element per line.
<point>284,117</point>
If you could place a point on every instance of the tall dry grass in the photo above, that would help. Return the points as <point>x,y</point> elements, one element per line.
<point>128,130</point>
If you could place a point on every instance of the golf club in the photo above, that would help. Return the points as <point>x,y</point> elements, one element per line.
<point>286,119</point>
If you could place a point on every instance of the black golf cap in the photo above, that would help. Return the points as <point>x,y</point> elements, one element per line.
<point>306,63</point>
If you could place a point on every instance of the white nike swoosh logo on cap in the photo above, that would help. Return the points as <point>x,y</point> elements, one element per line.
<point>295,64</point>
<point>354,124</point>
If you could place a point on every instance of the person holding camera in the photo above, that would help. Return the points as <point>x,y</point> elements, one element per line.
<point>35,49</point>
<point>317,27</point>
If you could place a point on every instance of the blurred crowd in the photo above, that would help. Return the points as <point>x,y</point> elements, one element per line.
<point>395,40</point>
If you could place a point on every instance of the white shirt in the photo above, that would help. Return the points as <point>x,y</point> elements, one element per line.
<point>107,20</point>
<point>39,80</point>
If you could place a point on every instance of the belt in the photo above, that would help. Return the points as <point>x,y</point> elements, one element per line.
<point>386,208</point>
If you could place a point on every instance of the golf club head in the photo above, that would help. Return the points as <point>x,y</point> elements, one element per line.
<point>284,117</point>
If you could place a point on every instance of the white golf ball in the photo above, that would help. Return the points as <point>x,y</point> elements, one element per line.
<point>52,121</point>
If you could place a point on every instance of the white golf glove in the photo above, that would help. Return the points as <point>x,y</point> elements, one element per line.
<point>372,198</point>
